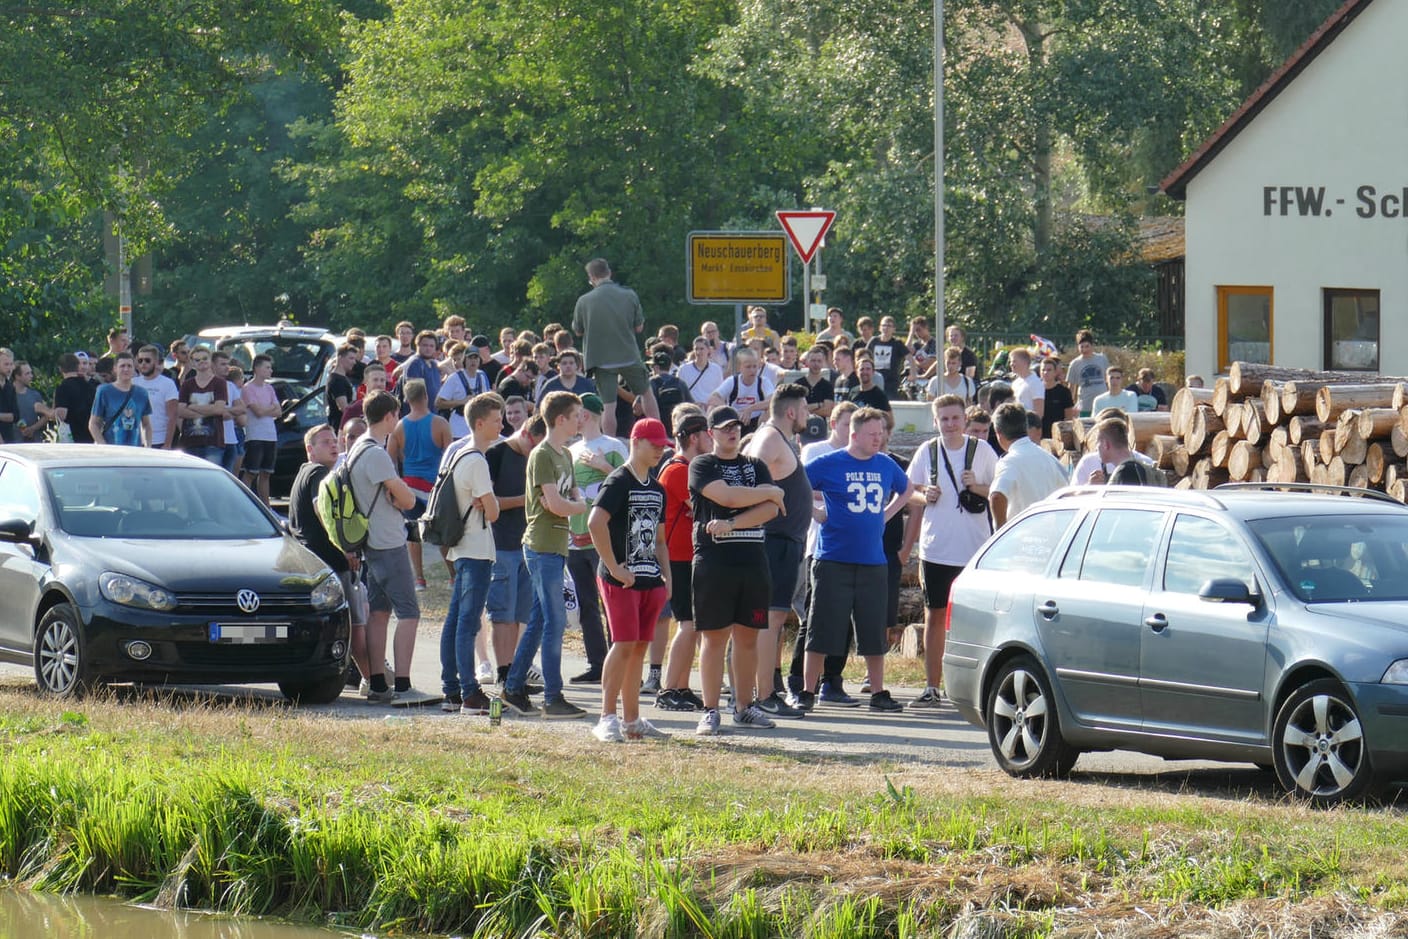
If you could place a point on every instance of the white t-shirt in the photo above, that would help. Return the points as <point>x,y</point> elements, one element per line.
<point>1028,390</point>
<point>967,389</point>
<point>1026,475</point>
<point>160,390</point>
<point>950,534</point>
<point>747,396</point>
<point>471,482</point>
<point>455,388</point>
<point>1089,463</point>
<point>810,452</point>
<point>235,395</point>
<point>700,384</point>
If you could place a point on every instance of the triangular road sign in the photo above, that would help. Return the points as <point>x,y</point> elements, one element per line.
<point>806,230</point>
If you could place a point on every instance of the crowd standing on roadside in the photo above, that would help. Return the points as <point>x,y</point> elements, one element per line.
<point>722,484</point>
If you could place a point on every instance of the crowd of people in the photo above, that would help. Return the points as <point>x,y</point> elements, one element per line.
<point>723,484</point>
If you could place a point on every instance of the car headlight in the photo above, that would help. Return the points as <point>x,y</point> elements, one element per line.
<point>1397,673</point>
<point>129,591</point>
<point>328,594</point>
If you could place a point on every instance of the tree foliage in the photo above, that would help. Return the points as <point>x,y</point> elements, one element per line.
<point>365,161</point>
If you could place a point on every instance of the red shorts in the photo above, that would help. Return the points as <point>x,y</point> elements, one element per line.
<point>631,614</point>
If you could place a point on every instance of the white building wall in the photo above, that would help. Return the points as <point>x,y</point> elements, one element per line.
<point>1340,126</point>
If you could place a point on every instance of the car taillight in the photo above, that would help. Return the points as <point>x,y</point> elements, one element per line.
<point>948,618</point>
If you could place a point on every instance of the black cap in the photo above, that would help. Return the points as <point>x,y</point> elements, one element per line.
<point>722,416</point>
<point>690,423</point>
<point>662,359</point>
<point>480,341</point>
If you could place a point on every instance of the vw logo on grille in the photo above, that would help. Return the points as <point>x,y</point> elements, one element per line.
<point>247,600</point>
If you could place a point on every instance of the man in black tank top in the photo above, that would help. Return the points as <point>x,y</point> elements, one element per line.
<point>785,537</point>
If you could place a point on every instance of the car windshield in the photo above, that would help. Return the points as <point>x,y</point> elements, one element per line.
<point>177,502</point>
<point>300,360</point>
<point>1337,558</point>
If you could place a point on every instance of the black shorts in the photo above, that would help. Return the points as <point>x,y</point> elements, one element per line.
<point>682,591</point>
<point>785,567</point>
<point>259,456</point>
<point>843,594</point>
<point>938,581</point>
<point>894,573</point>
<point>727,594</point>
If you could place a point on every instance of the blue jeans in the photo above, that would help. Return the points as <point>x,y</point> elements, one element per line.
<point>546,623</point>
<point>462,626</point>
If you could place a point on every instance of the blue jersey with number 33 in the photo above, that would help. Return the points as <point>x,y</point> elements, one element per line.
<point>856,493</point>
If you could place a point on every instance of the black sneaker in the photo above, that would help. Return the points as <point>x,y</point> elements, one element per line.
<point>774,706</point>
<point>804,701</point>
<point>670,700</point>
<point>476,703</point>
<point>560,709</point>
<point>881,701</point>
<point>451,703</point>
<point>836,694</point>
<point>591,676</point>
<point>518,702</point>
<point>530,688</point>
<point>693,699</point>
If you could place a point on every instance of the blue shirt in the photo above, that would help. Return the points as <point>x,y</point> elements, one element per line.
<point>856,493</point>
<point>121,413</point>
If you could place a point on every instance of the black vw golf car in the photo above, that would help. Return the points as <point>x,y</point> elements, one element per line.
<point>123,564</point>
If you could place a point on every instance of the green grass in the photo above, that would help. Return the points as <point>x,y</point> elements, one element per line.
<point>442,829</point>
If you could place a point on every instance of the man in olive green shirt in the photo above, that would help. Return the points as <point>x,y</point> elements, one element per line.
<point>608,317</point>
<point>550,497</point>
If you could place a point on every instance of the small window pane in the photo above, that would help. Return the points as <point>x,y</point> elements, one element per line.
<point>1201,550</point>
<point>18,497</point>
<point>1352,330</point>
<point>1121,546</point>
<point>1027,546</point>
<point>1070,565</point>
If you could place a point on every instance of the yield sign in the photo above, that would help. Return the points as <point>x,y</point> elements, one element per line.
<point>806,230</point>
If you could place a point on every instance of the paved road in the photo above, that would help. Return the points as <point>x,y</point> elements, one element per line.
<point>941,739</point>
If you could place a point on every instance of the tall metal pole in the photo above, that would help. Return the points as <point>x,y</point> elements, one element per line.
<point>939,173</point>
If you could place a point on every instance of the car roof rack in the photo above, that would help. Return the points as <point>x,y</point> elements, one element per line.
<point>1315,488</point>
<point>1106,491</point>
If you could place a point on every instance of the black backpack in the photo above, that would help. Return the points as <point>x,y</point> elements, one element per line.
<point>443,523</point>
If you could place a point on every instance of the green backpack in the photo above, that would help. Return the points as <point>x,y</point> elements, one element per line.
<point>346,524</point>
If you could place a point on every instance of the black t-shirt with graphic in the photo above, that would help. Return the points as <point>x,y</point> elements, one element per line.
<point>741,547</point>
<point>637,509</point>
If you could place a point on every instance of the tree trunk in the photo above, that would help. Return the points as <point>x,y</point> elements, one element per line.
<point>1185,401</point>
<point>1333,400</point>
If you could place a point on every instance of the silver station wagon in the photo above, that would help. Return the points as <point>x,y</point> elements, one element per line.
<point>1250,623</point>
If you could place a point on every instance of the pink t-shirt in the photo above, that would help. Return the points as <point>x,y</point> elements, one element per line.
<point>260,428</point>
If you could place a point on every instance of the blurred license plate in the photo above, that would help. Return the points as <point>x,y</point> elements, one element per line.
<point>246,633</point>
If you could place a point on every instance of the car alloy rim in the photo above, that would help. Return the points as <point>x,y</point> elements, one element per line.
<point>58,656</point>
<point>1323,745</point>
<point>1019,717</point>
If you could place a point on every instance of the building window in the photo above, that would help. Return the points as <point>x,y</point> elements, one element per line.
<point>1243,325</point>
<point>1352,330</point>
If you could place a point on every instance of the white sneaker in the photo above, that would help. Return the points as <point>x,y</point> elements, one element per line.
<point>608,729</point>
<point>642,729</point>
<point>364,687</point>
<point>535,675</point>
<point>708,723</point>
<point>484,673</point>
<point>931,700</point>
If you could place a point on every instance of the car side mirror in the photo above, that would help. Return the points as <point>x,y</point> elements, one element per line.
<point>17,531</point>
<point>1226,590</point>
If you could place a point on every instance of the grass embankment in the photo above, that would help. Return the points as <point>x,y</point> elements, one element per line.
<point>445,826</point>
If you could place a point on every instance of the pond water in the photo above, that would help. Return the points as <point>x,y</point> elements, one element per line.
<point>26,915</point>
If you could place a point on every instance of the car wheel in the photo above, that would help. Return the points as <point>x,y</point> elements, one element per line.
<point>1319,747</point>
<point>325,691</point>
<point>1023,728</point>
<point>60,655</point>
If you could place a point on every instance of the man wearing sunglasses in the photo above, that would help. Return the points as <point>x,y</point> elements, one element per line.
<point>161,392</point>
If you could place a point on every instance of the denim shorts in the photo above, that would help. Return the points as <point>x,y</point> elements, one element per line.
<point>510,590</point>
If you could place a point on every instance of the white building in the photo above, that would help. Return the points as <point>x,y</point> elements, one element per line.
<point>1297,209</point>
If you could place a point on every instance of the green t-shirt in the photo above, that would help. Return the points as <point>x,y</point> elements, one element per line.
<point>546,532</point>
<point>588,479</point>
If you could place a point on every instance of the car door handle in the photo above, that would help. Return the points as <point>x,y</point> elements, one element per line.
<point>1049,609</point>
<point>1158,622</point>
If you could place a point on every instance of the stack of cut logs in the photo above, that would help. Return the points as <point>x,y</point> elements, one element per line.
<point>1267,424</point>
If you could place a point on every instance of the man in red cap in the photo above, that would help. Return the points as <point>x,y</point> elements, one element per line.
<point>627,529</point>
